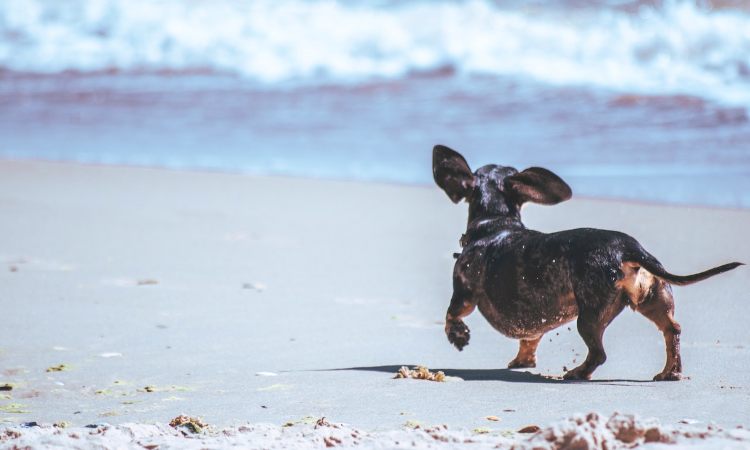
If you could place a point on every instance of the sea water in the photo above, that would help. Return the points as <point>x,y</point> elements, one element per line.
<point>643,100</point>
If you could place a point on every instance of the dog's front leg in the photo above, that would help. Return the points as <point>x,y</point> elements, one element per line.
<point>455,328</point>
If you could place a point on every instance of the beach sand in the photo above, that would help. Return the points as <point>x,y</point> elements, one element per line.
<point>133,295</point>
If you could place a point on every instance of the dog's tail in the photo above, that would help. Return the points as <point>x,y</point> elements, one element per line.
<point>651,264</point>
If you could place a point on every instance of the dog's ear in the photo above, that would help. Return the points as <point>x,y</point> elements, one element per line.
<point>538,185</point>
<point>452,173</point>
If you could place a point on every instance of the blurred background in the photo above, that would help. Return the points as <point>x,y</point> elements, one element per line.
<point>641,100</point>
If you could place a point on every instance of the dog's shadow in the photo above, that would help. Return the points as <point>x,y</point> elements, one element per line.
<point>506,375</point>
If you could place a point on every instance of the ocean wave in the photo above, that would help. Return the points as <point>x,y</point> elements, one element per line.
<point>675,47</point>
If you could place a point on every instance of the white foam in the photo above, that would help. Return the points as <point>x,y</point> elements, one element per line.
<point>678,48</point>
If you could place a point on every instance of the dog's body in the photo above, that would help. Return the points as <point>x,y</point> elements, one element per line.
<point>527,283</point>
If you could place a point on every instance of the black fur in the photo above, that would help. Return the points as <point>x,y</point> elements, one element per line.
<point>527,283</point>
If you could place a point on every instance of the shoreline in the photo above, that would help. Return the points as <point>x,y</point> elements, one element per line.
<point>395,183</point>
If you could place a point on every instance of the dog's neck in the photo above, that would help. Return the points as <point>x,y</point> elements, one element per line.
<point>486,227</point>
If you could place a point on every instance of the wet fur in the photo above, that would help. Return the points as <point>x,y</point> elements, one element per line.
<point>526,283</point>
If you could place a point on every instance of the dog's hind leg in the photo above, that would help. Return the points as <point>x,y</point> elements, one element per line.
<point>591,325</point>
<point>526,354</point>
<point>658,306</point>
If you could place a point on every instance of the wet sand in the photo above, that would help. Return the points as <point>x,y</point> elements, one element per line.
<point>266,300</point>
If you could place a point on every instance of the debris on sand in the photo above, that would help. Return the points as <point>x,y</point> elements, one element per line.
<point>192,424</point>
<point>14,408</point>
<point>58,368</point>
<point>688,421</point>
<point>420,373</point>
<point>147,282</point>
<point>6,387</point>
<point>307,420</point>
<point>171,388</point>
<point>322,422</point>
<point>10,434</point>
<point>413,424</point>
<point>493,418</point>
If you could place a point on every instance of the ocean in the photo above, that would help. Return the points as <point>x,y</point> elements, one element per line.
<point>637,100</point>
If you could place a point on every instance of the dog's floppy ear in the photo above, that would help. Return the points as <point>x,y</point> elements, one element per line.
<point>452,173</point>
<point>538,185</point>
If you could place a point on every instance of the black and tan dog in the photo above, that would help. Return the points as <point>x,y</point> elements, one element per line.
<point>527,283</point>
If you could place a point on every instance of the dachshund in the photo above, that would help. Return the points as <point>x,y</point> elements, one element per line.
<point>527,283</point>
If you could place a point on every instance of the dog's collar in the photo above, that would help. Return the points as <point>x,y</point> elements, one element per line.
<point>483,228</point>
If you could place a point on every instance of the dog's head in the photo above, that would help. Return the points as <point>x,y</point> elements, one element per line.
<point>495,190</point>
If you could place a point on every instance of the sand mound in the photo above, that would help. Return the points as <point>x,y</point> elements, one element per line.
<point>580,432</point>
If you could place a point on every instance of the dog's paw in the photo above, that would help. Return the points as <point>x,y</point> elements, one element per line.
<point>579,373</point>
<point>458,335</point>
<point>668,376</point>
<point>521,364</point>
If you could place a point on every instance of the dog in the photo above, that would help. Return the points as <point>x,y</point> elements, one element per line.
<point>527,283</point>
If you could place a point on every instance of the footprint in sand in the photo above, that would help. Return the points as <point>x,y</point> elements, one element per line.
<point>257,287</point>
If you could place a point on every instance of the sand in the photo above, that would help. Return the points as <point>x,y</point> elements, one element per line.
<point>581,432</point>
<point>263,300</point>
